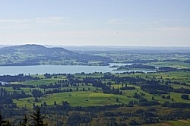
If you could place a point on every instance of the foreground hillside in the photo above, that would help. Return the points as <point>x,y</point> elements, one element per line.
<point>24,55</point>
<point>99,98</point>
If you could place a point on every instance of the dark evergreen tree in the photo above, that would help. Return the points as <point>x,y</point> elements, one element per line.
<point>184,96</point>
<point>37,118</point>
<point>3,122</point>
<point>24,121</point>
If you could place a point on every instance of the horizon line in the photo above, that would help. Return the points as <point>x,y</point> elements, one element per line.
<point>120,46</point>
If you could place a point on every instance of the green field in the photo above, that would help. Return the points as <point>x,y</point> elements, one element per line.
<point>160,98</point>
<point>172,123</point>
<point>77,99</point>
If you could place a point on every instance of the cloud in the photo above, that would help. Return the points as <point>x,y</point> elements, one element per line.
<point>174,31</point>
<point>28,24</point>
<point>14,25</point>
<point>60,30</point>
<point>118,22</point>
<point>52,20</point>
<point>38,20</point>
<point>14,21</point>
<point>158,37</point>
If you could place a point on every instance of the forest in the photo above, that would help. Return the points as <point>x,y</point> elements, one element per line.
<point>146,89</point>
<point>130,98</point>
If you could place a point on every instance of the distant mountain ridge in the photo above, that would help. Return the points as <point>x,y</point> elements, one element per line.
<point>32,54</point>
<point>32,48</point>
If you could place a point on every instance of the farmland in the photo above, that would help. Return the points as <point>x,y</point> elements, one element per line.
<point>80,90</point>
<point>135,97</point>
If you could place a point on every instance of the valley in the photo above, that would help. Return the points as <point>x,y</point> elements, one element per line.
<point>127,97</point>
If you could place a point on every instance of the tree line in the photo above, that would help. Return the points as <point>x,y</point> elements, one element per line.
<point>36,119</point>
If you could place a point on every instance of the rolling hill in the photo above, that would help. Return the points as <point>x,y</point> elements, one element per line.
<point>32,54</point>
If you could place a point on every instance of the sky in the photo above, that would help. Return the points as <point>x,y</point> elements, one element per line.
<point>95,22</point>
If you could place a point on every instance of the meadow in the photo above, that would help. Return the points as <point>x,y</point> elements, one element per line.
<point>128,98</point>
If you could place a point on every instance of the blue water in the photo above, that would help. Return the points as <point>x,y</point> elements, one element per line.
<point>55,69</point>
<point>42,69</point>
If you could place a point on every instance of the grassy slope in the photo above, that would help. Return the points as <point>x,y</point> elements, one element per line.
<point>89,98</point>
<point>79,98</point>
<point>172,123</point>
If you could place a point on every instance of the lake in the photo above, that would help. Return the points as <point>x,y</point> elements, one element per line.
<point>42,69</point>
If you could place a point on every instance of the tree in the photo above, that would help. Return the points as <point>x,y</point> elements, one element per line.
<point>152,97</point>
<point>3,122</point>
<point>7,124</point>
<point>24,121</point>
<point>186,97</point>
<point>37,118</point>
<point>117,99</point>
<point>55,103</point>
<point>74,120</point>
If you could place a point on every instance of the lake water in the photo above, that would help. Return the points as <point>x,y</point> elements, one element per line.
<point>42,69</point>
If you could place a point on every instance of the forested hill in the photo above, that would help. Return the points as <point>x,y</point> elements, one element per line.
<point>31,54</point>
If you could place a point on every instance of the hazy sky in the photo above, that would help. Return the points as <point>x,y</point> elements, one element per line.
<point>95,22</point>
